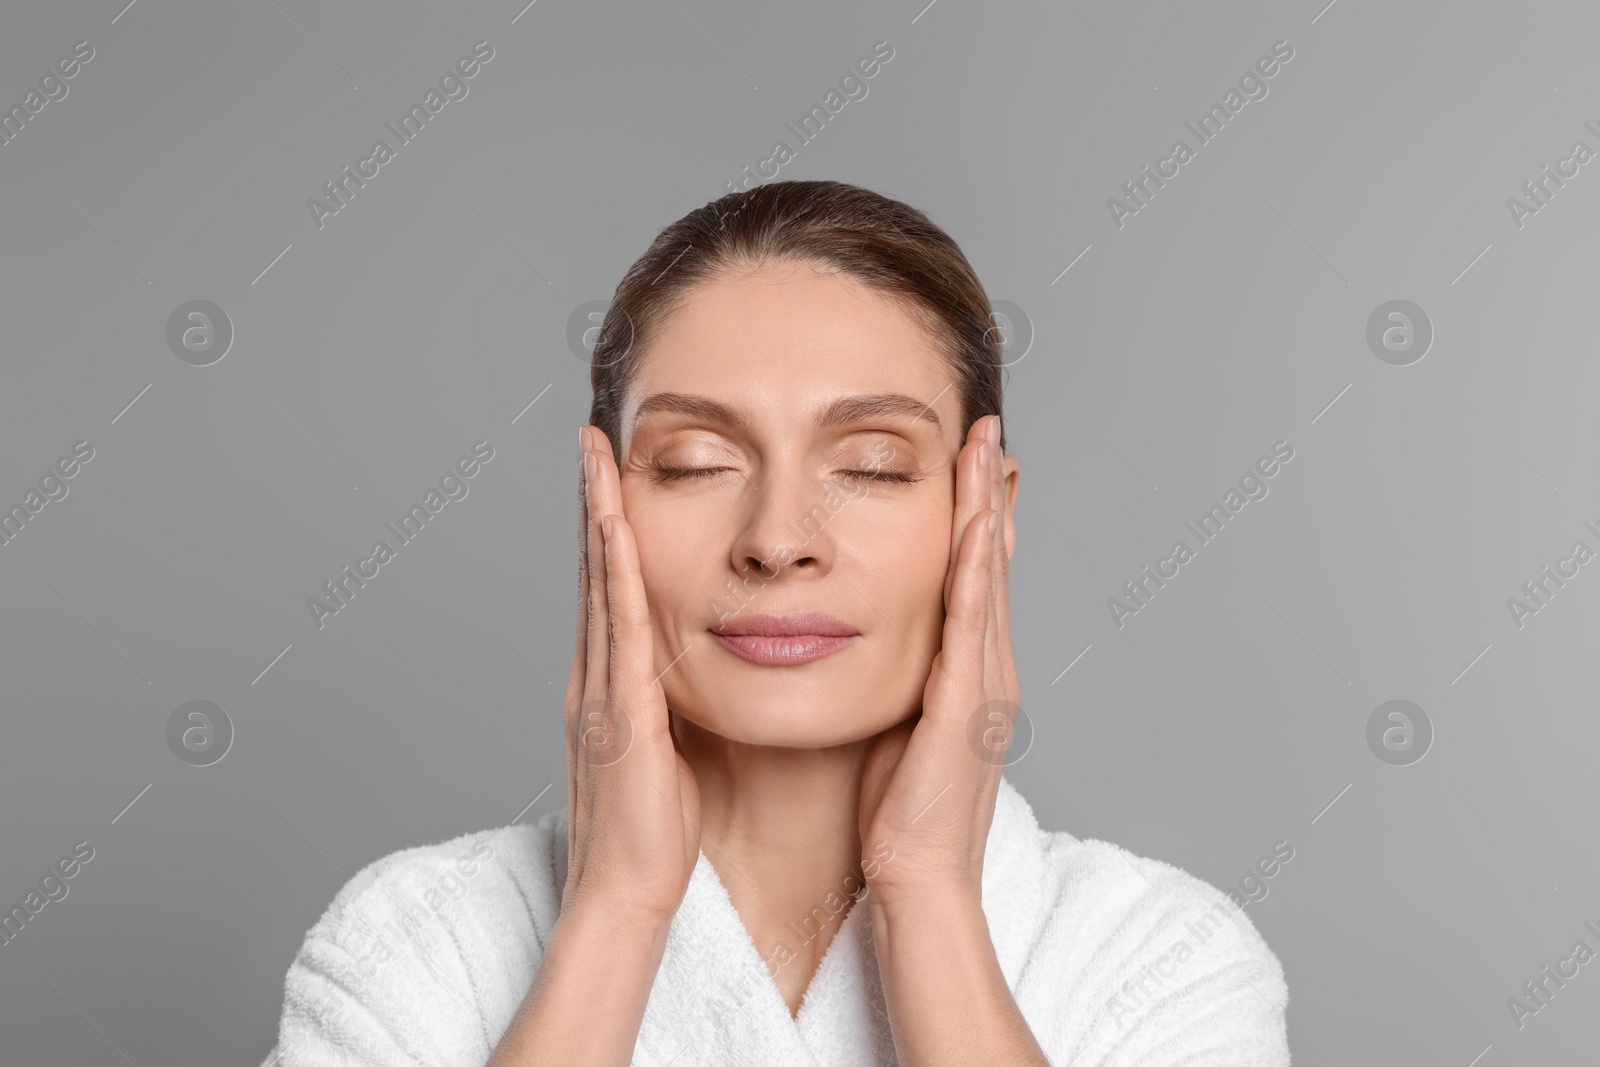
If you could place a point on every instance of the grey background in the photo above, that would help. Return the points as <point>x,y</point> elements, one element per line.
<point>427,314</point>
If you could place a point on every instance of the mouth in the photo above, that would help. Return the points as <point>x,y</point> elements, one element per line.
<point>785,640</point>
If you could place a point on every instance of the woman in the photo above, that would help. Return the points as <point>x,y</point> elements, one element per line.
<point>787,838</point>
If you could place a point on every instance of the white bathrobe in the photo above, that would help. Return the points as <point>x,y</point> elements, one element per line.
<point>1114,960</point>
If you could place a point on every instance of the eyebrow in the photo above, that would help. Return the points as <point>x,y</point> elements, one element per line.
<point>841,412</point>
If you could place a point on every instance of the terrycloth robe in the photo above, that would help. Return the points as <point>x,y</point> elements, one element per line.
<point>1115,960</point>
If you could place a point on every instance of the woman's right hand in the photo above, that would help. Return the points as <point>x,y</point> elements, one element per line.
<point>632,811</point>
<point>633,802</point>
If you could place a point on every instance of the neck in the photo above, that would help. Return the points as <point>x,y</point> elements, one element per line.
<point>781,827</point>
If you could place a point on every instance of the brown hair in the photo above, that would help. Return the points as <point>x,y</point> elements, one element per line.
<point>889,246</point>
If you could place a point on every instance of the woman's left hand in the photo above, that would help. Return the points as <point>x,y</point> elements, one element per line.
<point>928,786</point>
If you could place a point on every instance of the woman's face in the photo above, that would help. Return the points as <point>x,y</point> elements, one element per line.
<point>788,446</point>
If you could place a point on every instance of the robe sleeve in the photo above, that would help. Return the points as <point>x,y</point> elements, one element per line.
<point>411,962</point>
<point>1170,971</point>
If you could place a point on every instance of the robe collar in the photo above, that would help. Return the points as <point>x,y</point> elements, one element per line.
<point>714,992</point>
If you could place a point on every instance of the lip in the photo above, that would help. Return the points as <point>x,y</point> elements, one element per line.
<point>770,640</point>
<point>782,651</point>
<point>798,624</point>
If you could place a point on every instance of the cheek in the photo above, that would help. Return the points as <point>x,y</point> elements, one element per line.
<point>675,556</point>
<point>925,554</point>
<point>906,551</point>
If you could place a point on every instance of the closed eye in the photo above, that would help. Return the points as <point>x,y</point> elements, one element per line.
<point>882,476</point>
<point>669,474</point>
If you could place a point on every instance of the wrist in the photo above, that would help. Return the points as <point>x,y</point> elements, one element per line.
<point>926,903</point>
<point>613,926</point>
<point>588,997</point>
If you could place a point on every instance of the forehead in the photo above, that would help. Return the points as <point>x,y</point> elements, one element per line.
<point>780,344</point>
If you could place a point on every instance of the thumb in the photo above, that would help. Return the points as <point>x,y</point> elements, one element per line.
<point>878,769</point>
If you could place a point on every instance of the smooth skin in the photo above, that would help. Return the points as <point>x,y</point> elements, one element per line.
<point>638,823</point>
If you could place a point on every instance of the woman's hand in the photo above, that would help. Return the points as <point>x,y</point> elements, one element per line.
<point>634,804</point>
<point>928,787</point>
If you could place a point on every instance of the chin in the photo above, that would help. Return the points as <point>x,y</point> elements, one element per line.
<point>785,712</point>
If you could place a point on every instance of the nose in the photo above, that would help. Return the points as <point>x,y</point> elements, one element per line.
<point>787,525</point>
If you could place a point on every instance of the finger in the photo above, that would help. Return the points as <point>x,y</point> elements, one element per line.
<point>596,652</point>
<point>575,680</point>
<point>579,653</point>
<point>598,658</point>
<point>602,444</point>
<point>969,499</point>
<point>578,682</point>
<point>633,683</point>
<point>962,652</point>
<point>601,499</point>
<point>594,642</point>
<point>997,555</point>
<point>1000,491</point>
<point>1004,664</point>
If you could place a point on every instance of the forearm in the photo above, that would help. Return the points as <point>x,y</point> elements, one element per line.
<point>947,997</point>
<point>588,997</point>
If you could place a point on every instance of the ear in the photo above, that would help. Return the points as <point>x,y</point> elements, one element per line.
<point>1013,475</point>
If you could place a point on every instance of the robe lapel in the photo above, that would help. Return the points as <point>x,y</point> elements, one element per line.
<point>844,1020</point>
<point>714,1003</point>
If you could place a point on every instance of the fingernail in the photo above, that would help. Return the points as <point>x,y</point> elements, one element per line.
<point>583,443</point>
<point>605,527</point>
<point>591,467</point>
<point>993,524</point>
<point>985,458</point>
